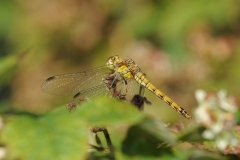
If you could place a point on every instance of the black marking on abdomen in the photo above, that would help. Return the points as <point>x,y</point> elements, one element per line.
<point>169,103</point>
<point>154,90</point>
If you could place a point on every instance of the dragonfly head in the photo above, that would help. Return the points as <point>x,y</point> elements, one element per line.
<point>113,62</point>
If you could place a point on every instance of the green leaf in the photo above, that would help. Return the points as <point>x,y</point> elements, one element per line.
<point>192,134</point>
<point>56,135</point>
<point>60,134</point>
<point>150,138</point>
<point>108,111</point>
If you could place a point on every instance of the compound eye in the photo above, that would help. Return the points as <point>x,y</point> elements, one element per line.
<point>110,62</point>
<point>110,58</point>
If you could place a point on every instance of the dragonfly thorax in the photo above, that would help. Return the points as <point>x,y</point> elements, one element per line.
<point>126,68</point>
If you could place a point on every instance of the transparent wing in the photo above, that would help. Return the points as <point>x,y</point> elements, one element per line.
<point>135,94</point>
<point>126,89</point>
<point>118,91</point>
<point>73,83</point>
<point>134,88</point>
<point>90,93</point>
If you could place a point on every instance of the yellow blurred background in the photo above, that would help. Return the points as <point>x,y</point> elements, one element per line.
<point>181,46</point>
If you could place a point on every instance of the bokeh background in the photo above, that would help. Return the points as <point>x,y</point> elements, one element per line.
<point>180,45</point>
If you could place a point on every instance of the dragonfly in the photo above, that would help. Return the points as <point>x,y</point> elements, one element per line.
<point>118,78</point>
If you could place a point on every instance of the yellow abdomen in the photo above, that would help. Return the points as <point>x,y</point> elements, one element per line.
<point>141,79</point>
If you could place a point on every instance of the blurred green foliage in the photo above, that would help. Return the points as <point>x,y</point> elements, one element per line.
<point>180,45</point>
<point>60,134</point>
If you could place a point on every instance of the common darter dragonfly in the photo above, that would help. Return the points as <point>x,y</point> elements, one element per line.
<point>118,78</point>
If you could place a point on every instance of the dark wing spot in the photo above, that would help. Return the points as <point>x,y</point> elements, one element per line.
<point>50,78</point>
<point>76,95</point>
<point>125,81</point>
